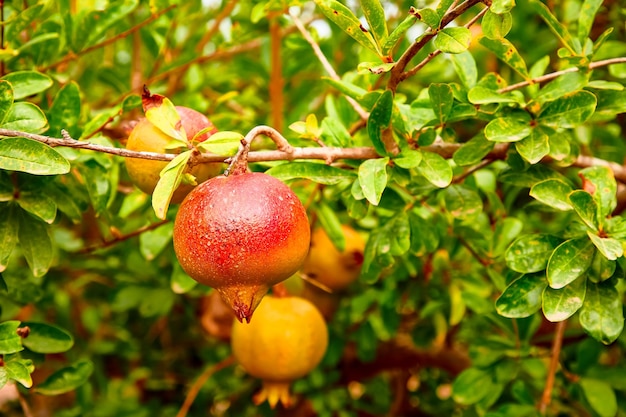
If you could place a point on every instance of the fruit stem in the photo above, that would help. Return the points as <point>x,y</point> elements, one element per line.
<point>280,291</point>
<point>239,162</point>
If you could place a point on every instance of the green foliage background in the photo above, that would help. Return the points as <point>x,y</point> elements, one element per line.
<point>492,209</point>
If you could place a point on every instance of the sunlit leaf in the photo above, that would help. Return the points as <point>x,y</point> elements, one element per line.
<point>601,315</point>
<point>373,179</point>
<point>47,338</point>
<point>320,173</point>
<point>570,260</point>
<point>66,379</point>
<point>522,297</point>
<point>435,169</point>
<point>561,304</point>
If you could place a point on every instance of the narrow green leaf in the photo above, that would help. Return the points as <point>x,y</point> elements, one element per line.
<point>473,151</point>
<point>522,297</point>
<point>462,202</point>
<point>66,379</point>
<point>561,304</point>
<point>534,147</point>
<point>435,169</point>
<point>453,40</point>
<point>65,110</point>
<point>9,222</point>
<point>483,95</point>
<point>585,206</point>
<point>35,243</point>
<point>180,282</point>
<point>465,67</point>
<point>472,385</point>
<point>10,341</point>
<point>373,179</point>
<point>602,313</point>
<point>27,83</point>
<point>25,117</point>
<point>531,253</point>
<point>379,119</point>
<point>556,27</point>
<point>374,67</point>
<point>507,53</point>
<point>334,133</point>
<point>98,184</point>
<point>569,110</point>
<point>332,225</point>
<point>376,20</point>
<point>47,338</point>
<point>509,129</point>
<point>496,26</point>
<point>609,247</point>
<point>152,242</point>
<point>600,182</point>
<point>506,230</point>
<point>600,395</point>
<point>563,85</point>
<point>95,23</point>
<point>166,118</point>
<point>398,33</point>
<point>221,143</point>
<point>399,232</point>
<point>441,99</point>
<point>39,204</point>
<point>570,260</point>
<point>348,22</point>
<point>552,192</point>
<point>320,173</point>
<point>6,99</point>
<point>610,103</point>
<point>20,370</point>
<point>347,88</point>
<point>171,177</point>
<point>26,155</point>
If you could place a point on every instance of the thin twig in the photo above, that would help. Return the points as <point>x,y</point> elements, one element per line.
<point>74,55</point>
<point>553,75</point>
<point>326,64</point>
<point>482,164</point>
<point>199,383</point>
<point>554,363</point>
<point>122,238</point>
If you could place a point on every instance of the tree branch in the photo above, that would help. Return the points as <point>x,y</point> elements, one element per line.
<point>554,363</point>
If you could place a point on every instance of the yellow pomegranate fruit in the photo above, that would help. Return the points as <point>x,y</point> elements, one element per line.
<point>287,340</point>
<point>146,137</point>
<point>330,267</point>
<point>241,234</point>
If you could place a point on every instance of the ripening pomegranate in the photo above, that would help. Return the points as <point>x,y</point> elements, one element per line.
<point>287,340</point>
<point>146,137</point>
<point>241,234</point>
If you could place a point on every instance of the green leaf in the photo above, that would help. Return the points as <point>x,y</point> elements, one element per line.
<point>27,83</point>
<point>530,253</point>
<point>600,182</point>
<point>502,6</point>
<point>25,117</point>
<point>20,370</point>
<point>27,155</point>
<point>373,179</point>
<point>585,206</point>
<point>152,242</point>
<point>8,238</point>
<point>522,297</point>
<point>332,225</point>
<point>221,143</point>
<point>569,110</point>
<point>379,119</point>
<point>507,53</point>
<point>553,192</point>
<point>483,95</point>
<point>472,385</point>
<point>610,103</point>
<point>600,396</point>
<point>334,133</point>
<point>570,260</point>
<point>430,17</point>
<point>563,85</point>
<point>601,268</point>
<point>465,67</point>
<point>66,379</point>
<point>561,304</point>
<point>555,26</point>
<point>435,169</point>
<point>506,230</point>
<point>453,40</point>
<point>534,147</point>
<point>47,338</point>
<point>376,20</point>
<point>509,129</point>
<point>473,151</point>
<point>601,315</point>
<point>97,22</point>
<point>609,247</point>
<point>6,99</point>
<point>496,26</point>
<point>180,282</point>
<point>171,177</point>
<point>166,118</point>
<point>441,99</point>
<point>35,243</point>
<point>320,173</point>
<point>398,33</point>
<point>65,110</point>
<point>408,159</point>
<point>39,204</point>
<point>348,22</point>
<point>462,202</point>
<point>10,341</point>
